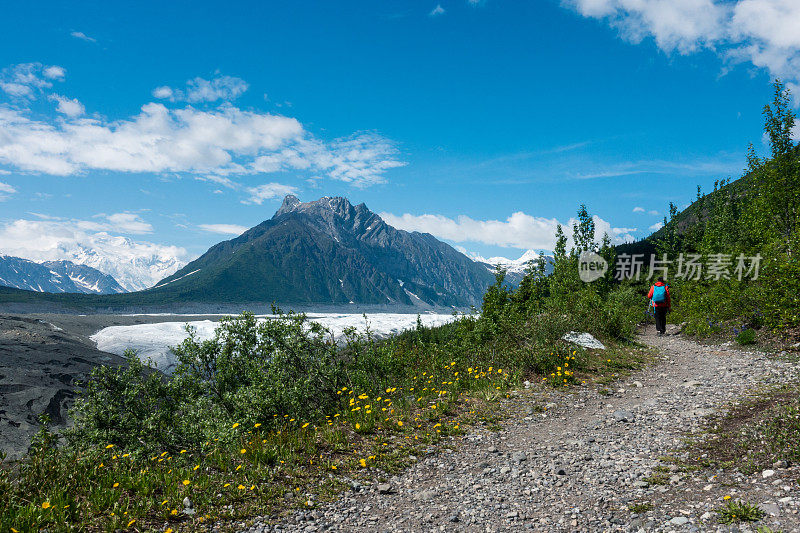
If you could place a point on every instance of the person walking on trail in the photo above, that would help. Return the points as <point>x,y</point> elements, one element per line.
<point>659,295</point>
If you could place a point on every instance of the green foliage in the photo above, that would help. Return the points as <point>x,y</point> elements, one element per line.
<point>251,370</point>
<point>756,215</point>
<point>131,406</point>
<point>583,232</point>
<point>735,512</point>
<point>745,337</point>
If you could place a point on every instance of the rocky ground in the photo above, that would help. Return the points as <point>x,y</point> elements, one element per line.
<point>583,463</point>
<point>41,366</point>
<point>43,358</point>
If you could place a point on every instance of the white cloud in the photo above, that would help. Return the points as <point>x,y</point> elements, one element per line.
<point>68,106</point>
<point>223,142</point>
<point>653,212</point>
<point>519,230</point>
<point>25,80</point>
<point>82,36</point>
<point>128,223</point>
<point>54,72</point>
<point>162,92</point>
<point>638,209</point>
<point>657,226</point>
<point>436,11</point>
<point>134,264</point>
<point>765,33</point>
<point>267,191</point>
<point>202,90</point>
<point>5,191</point>
<point>223,229</point>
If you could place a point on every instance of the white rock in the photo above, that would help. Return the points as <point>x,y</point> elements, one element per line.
<point>585,340</point>
<point>767,473</point>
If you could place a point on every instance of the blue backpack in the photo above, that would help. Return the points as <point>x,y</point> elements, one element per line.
<point>659,293</point>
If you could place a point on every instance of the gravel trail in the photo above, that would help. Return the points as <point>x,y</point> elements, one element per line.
<point>581,464</point>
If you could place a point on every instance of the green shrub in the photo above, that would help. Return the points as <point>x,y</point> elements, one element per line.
<point>738,511</point>
<point>746,336</point>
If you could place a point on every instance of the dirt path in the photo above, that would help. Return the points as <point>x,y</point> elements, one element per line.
<point>583,463</point>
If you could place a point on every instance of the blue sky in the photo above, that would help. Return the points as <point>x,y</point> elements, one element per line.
<point>482,122</point>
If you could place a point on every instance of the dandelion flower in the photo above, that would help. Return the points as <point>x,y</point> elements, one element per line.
<point>186,482</point>
<point>115,485</point>
<point>305,425</point>
<point>46,505</point>
<point>173,512</point>
<point>243,450</point>
<point>241,487</point>
<point>109,446</point>
<point>726,497</point>
<point>258,425</point>
<point>358,426</point>
<point>363,462</point>
<point>236,425</point>
<point>131,522</point>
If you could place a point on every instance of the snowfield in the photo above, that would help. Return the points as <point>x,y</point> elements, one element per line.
<point>152,342</point>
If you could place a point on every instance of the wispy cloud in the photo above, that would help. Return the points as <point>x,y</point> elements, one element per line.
<point>28,80</point>
<point>267,191</point>
<point>83,37</point>
<point>638,209</point>
<point>6,191</point>
<point>765,33</point>
<point>202,90</point>
<point>223,229</point>
<point>437,11</point>
<point>721,164</point>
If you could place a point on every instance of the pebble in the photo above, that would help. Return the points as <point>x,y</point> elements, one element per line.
<point>583,466</point>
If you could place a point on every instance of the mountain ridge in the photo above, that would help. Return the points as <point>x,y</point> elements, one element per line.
<point>55,277</point>
<point>331,251</point>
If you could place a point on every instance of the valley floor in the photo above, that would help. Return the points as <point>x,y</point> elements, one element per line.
<point>586,463</point>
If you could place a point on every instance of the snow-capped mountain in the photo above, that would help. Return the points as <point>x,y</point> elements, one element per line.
<point>55,276</point>
<point>512,266</point>
<point>515,268</point>
<point>134,267</point>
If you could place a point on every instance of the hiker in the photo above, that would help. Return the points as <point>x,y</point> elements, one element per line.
<point>659,296</point>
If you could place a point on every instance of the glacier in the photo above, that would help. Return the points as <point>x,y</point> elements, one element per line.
<point>152,342</point>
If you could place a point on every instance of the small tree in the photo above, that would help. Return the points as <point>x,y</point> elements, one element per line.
<point>583,232</point>
<point>778,179</point>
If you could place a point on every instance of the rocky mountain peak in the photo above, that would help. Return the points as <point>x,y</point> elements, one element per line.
<point>324,207</point>
<point>290,203</point>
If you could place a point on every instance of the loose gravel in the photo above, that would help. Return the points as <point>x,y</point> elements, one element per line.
<point>584,462</point>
